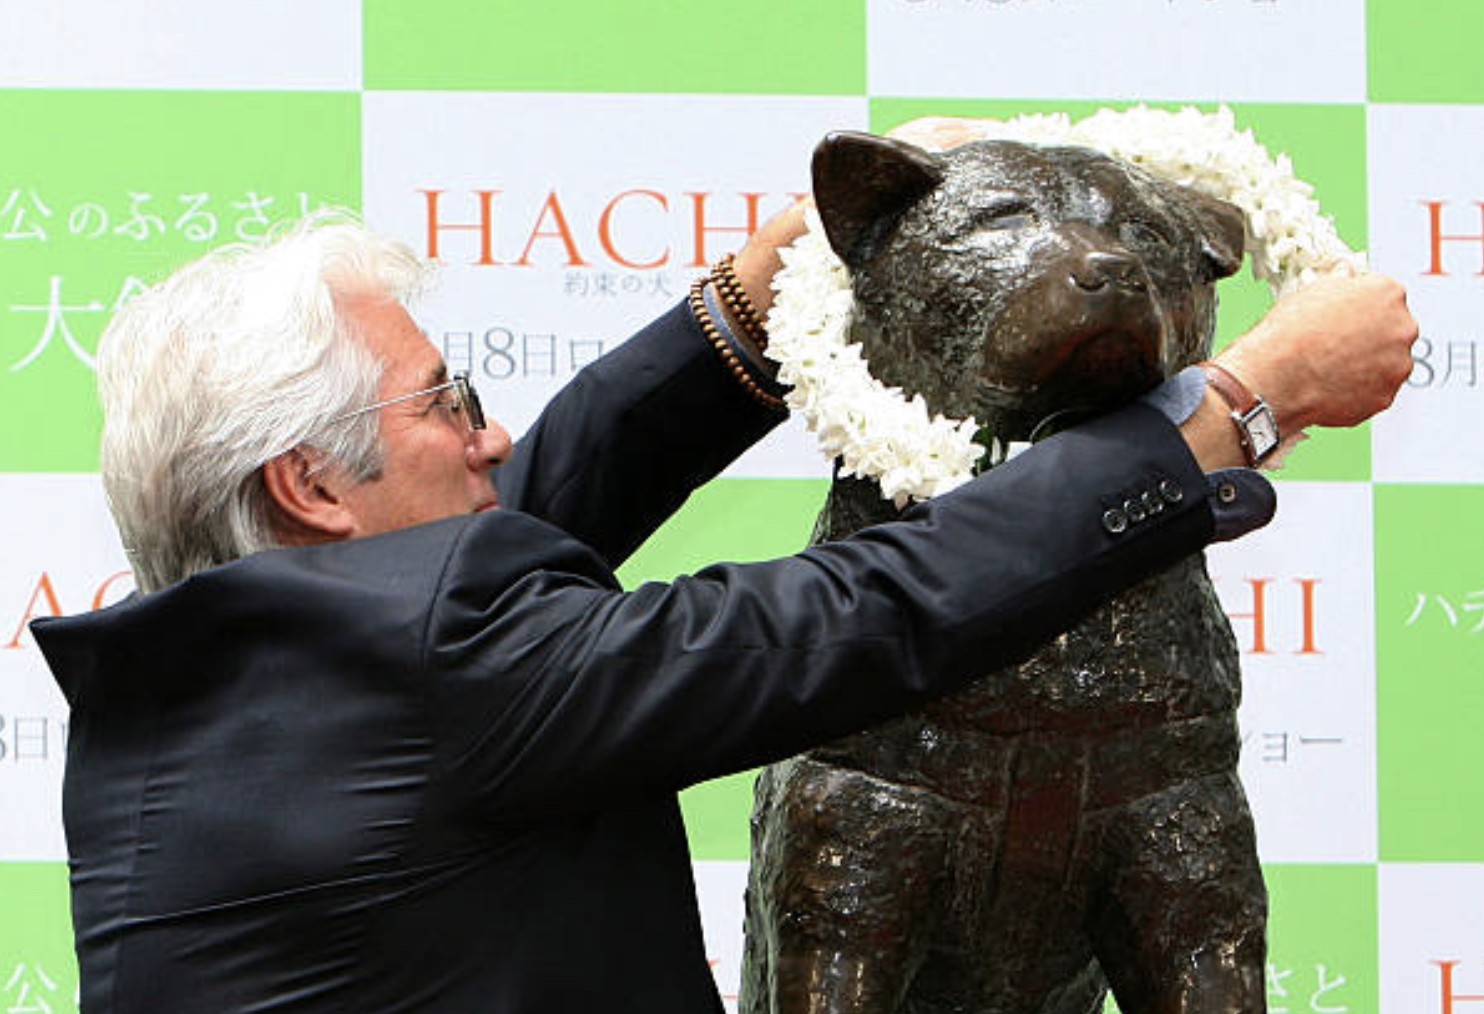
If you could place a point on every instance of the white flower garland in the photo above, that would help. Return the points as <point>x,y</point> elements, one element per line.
<point>877,432</point>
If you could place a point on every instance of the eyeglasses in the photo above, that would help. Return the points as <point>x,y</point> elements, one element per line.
<point>465,401</point>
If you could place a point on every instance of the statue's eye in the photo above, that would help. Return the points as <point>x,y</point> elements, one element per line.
<point>1011,213</point>
<point>1142,234</point>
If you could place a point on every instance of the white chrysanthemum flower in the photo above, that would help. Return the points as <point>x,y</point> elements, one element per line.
<point>879,434</point>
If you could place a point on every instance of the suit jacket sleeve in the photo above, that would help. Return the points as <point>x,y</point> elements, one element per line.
<point>619,449</point>
<point>558,688</point>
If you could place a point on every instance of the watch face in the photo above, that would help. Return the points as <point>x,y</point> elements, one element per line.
<point>1262,429</point>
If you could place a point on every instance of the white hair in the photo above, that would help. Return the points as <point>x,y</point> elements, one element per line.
<point>233,360</point>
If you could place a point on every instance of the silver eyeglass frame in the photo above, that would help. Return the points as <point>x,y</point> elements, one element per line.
<point>468,401</point>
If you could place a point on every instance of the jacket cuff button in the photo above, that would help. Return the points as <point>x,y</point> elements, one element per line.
<point>1114,520</point>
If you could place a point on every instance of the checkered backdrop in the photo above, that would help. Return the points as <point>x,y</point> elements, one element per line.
<point>575,163</point>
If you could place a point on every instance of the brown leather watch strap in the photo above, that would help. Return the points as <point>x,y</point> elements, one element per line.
<point>1235,393</point>
<point>1257,425</point>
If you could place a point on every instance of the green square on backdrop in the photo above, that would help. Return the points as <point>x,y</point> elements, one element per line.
<point>1424,52</point>
<point>101,192</point>
<point>1327,145</point>
<point>764,47</point>
<point>736,520</point>
<point>1322,938</point>
<point>38,968</point>
<point>1430,672</point>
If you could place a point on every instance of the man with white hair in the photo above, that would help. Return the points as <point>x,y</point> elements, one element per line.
<point>365,744</point>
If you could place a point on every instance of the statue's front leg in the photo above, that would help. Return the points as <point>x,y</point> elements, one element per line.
<point>843,891</point>
<point>1183,930</point>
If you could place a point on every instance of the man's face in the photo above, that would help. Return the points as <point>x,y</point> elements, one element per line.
<point>434,465</point>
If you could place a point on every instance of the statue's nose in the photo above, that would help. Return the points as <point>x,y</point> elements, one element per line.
<point>1099,269</point>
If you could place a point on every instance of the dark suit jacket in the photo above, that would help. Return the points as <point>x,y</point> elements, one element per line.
<point>436,770</point>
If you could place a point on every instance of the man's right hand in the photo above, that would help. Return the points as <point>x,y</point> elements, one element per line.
<point>1334,353</point>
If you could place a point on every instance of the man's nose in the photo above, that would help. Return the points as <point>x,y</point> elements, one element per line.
<point>488,447</point>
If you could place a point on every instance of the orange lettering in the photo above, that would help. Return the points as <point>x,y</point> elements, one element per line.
<point>698,200</point>
<point>108,582</point>
<point>1258,616</point>
<point>553,207</point>
<point>485,227</point>
<point>1310,646</point>
<point>605,230</point>
<point>44,590</point>
<point>1447,987</point>
<point>1437,237</point>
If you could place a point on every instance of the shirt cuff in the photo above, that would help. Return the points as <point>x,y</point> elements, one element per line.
<point>1180,396</point>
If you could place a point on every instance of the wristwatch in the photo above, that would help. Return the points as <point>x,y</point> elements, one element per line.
<point>1257,426</point>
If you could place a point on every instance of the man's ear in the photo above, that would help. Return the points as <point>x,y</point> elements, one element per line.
<point>308,507</point>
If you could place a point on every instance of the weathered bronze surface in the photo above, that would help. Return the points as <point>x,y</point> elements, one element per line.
<point>1075,820</point>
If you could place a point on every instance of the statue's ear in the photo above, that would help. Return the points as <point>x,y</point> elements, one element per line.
<point>1223,231</point>
<point>862,182</point>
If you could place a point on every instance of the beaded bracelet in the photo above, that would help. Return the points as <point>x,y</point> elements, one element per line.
<point>729,288</point>
<point>756,367</point>
<point>721,339</point>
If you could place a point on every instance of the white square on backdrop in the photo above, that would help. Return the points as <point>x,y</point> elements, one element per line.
<point>1427,230</point>
<point>268,44</point>
<point>1300,598</point>
<point>1228,50</point>
<point>1431,918</point>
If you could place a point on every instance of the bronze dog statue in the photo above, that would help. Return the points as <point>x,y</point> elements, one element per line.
<point>1075,821</point>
